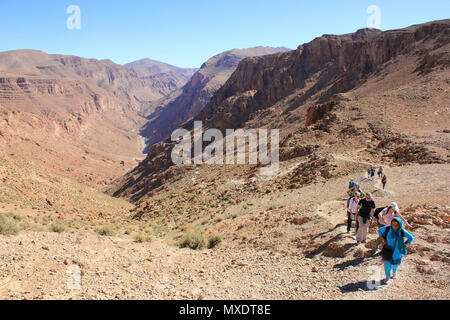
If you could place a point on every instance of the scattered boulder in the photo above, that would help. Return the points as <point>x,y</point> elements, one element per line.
<point>300,221</point>
<point>426,269</point>
<point>335,250</point>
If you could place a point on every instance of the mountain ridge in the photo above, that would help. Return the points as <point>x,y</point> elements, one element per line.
<point>279,89</point>
<point>174,110</point>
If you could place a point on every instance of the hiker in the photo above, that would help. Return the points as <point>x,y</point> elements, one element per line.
<point>368,172</point>
<point>384,181</point>
<point>380,172</point>
<point>372,173</point>
<point>351,184</point>
<point>352,205</point>
<point>392,236</point>
<point>364,214</point>
<point>356,188</point>
<point>387,214</point>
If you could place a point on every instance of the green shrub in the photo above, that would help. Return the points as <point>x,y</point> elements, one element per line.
<point>193,240</point>
<point>58,228</point>
<point>214,240</point>
<point>105,231</point>
<point>140,238</point>
<point>8,225</point>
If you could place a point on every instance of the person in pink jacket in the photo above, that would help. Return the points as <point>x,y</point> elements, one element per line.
<point>387,214</point>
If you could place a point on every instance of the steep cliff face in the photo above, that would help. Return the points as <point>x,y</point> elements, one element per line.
<point>173,111</point>
<point>330,64</point>
<point>276,91</point>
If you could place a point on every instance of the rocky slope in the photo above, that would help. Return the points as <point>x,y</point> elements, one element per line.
<point>286,244</point>
<point>263,237</point>
<point>331,91</point>
<point>170,78</point>
<point>172,111</point>
<point>74,114</point>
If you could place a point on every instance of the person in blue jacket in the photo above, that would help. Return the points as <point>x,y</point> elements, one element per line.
<point>351,184</point>
<point>394,239</point>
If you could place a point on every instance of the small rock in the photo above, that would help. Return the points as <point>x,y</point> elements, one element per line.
<point>422,262</point>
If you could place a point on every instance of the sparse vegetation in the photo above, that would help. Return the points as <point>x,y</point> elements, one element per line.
<point>194,240</point>
<point>141,238</point>
<point>8,225</point>
<point>105,231</point>
<point>218,219</point>
<point>214,240</point>
<point>57,227</point>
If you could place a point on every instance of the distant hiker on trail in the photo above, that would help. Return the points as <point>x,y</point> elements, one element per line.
<point>380,172</point>
<point>394,246</point>
<point>372,173</point>
<point>356,188</point>
<point>351,183</point>
<point>384,181</point>
<point>368,172</point>
<point>352,206</point>
<point>364,215</point>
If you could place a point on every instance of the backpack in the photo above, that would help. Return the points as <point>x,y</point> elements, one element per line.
<point>377,212</point>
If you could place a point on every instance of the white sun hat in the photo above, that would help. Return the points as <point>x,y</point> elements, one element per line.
<point>394,206</point>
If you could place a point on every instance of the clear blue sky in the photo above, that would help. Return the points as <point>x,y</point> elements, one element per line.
<point>186,33</point>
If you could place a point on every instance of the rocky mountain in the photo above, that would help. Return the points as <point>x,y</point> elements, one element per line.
<point>172,111</point>
<point>331,89</point>
<point>207,232</point>
<point>74,114</point>
<point>170,77</point>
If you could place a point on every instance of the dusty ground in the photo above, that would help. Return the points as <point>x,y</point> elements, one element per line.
<point>290,244</point>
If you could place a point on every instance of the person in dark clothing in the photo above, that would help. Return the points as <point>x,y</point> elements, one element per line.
<point>380,172</point>
<point>364,215</point>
